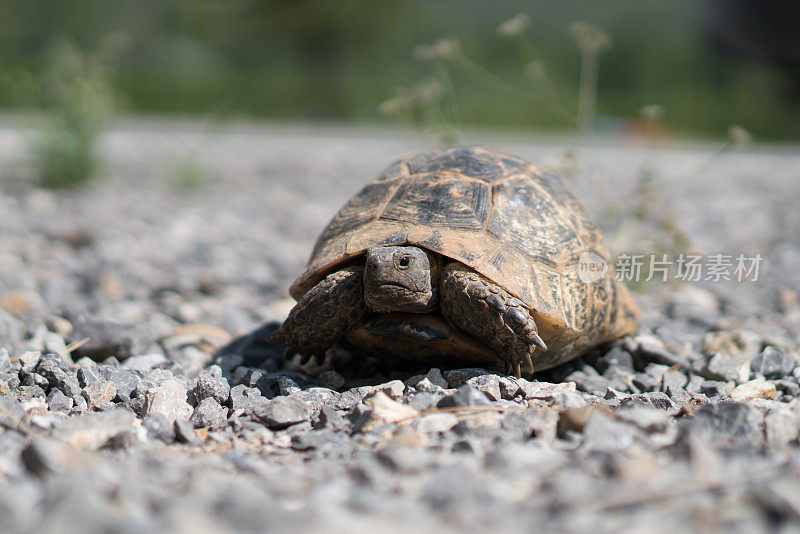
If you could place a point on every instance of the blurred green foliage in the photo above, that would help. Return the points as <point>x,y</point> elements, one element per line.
<point>320,59</point>
<point>76,92</point>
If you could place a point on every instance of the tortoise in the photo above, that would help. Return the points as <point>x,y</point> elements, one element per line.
<point>465,255</point>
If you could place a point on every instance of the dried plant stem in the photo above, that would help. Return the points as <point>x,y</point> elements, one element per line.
<point>587,92</point>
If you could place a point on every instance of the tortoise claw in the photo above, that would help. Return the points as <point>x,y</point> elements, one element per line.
<point>536,340</point>
<point>529,362</point>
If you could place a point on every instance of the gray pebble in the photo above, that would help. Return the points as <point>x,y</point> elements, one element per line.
<point>99,394</point>
<point>729,366</point>
<point>436,378</point>
<point>488,384</point>
<point>466,395</point>
<point>168,399</point>
<point>773,362</point>
<point>209,414</point>
<point>211,384</point>
<point>458,377</point>
<point>5,358</point>
<point>246,399</point>
<point>158,427</point>
<point>617,358</point>
<point>282,412</point>
<point>58,402</point>
<point>331,379</point>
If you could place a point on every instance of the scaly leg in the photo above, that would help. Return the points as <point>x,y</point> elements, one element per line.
<point>324,314</point>
<point>478,306</point>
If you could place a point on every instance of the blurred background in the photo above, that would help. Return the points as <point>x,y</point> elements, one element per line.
<point>696,67</point>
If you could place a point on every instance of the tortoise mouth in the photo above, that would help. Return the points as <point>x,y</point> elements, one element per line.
<point>394,286</point>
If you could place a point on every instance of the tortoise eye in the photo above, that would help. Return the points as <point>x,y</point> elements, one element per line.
<point>404,262</point>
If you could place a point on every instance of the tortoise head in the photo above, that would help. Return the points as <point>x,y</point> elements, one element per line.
<point>403,279</point>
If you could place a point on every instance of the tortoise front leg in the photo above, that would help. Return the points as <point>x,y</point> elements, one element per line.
<point>324,314</point>
<point>478,306</point>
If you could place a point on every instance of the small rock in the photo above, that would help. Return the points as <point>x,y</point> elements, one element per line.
<point>58,402</point>
<point>44,456</point>
<point>393,389</point>
<point>781,427</point>
<point>488,384</point>
<point>574,419</point>
<point>382,410</point>
<point>282,412</point>
<point>458,377</point>
<point>68,384</point>
<point>209,414</point>
<point>426,386</point>
<point>545,390</point>
<point>616,357</point>
<point>435,423</point>
<point>287,386</point>
<point>144,362</point>
<point>331,379</point>
<point>754,389</point>
<point>733,423</point>
<point>27,393</point>
<point>673,379</point>
<point>29,359</point>
<point>185,432</point>
<point>773,362</point>
<point>424,400</point>
<point>330,418</point>
<point>601,433</point>
<point>437,379</point>
<point>653,399</point>
<point>729,366</point>
<point>678,395</point>
<point>88,375</point>
<point>651,349</point>
<point>12,414</point>
<point>645,418</point>
<point>211,384</point>
<point>745,343</point>
<point>788,387</point>
<point>28,378</point>
<point>246,399</point>
<point>94,430</point>
<point>79,404</point>
<point>158,427</point>
<point>5,359</point>
<point>351,398</point>
<point>99,395</point>
<point>594,384</point>
<point>53,367</point>
<point>715,388</point>
<point>168,399</point>
<point>125,381</point>
<point>466,395</point>
<point>509,388</point>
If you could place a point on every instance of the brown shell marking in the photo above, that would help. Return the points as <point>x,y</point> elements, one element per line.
<point>509,220</point>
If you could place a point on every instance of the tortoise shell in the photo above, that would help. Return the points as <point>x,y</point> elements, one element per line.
<point>507,219</point>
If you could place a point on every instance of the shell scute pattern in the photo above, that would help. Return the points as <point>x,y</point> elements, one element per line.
<point>440,200</point>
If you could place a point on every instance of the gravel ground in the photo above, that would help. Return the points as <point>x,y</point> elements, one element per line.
<point>164,421</point>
